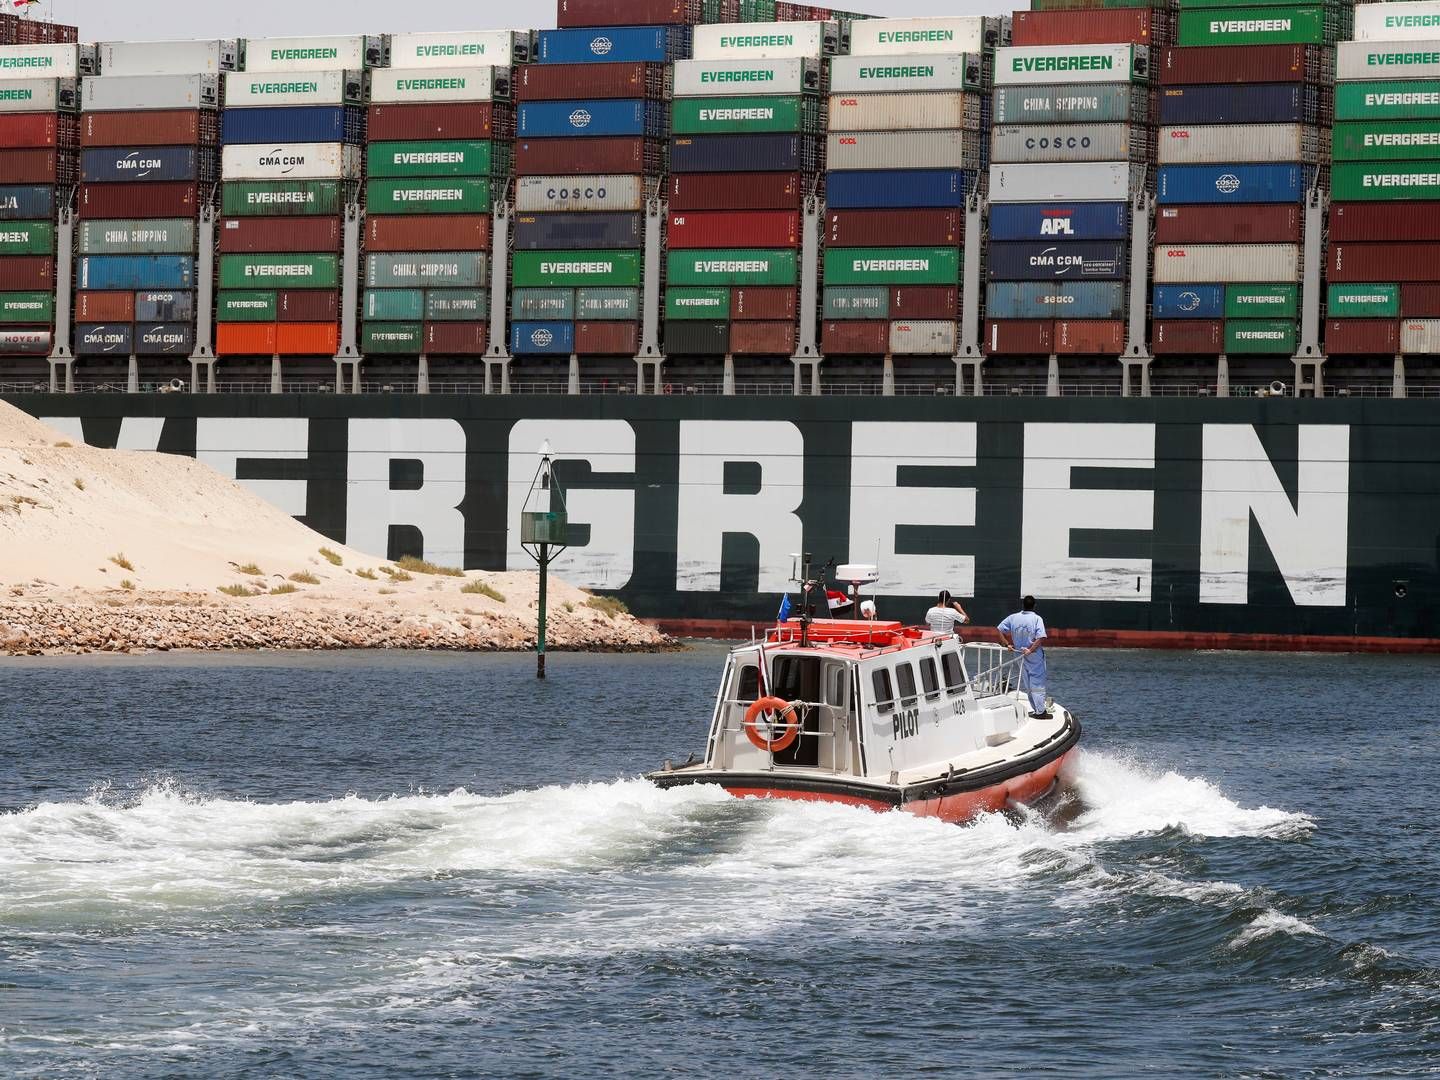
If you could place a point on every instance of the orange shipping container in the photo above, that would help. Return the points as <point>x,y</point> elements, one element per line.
<point>245,339</point>
<point>307,339</point>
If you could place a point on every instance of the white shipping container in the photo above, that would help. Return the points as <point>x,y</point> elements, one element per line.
<point>906,37</point>
<point>1044,65</point>
<point>1221,144</point>
<point>169,57</point>
<point>471,47</point>
<point>579,194</point>
<point>1420,335</point>
<point>1074,181</point>
<point>903,150</point>
<point>765,40</point>
<point>1367,60</point>
<point>290,161</point>
<point>128,92</point>
<point>248,88</point>
<point>1193,264</point>
<point>439,84</point>
<point>1059,142</point>
<point>46,61</point>
<point>39,95</point>
<point>922,337</point>
<point>317,53</point>
<point>1397,22</point>
<point>735,78</point>
<point>906,74</point>
<point>902,112</point>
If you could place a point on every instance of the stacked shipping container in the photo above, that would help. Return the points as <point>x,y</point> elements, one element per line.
<point>909,119</point>
<point>1384,259</point>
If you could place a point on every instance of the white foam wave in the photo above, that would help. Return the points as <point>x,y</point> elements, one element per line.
<point>1268,924</point>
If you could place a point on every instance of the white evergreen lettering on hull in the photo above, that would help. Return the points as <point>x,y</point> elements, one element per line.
<point>607,559</point>
<point>880,507</point>
<point>222,442</point>
<point>1053,509</point>
<point>1308,538</point>
<point>372,505</point>
<point>707,512</point>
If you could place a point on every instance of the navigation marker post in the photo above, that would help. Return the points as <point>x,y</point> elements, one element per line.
<point>543,528</point>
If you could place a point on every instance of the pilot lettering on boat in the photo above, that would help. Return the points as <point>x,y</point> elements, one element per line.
<point>906,723</point>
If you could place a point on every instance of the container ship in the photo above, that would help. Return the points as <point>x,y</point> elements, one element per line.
<point>1132,305</point>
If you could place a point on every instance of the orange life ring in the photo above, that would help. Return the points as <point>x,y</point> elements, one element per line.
<point>790,729</point>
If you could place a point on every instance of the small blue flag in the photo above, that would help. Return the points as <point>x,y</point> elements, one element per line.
<point>784,615</point>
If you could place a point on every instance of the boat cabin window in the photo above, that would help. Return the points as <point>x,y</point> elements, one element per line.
<point>748,686</point>
<point>954,673</point>
<point>905,677</point>
<point>839,677</point>
<point>798,678</point>
<point>929,679</point>
<point>884,695</point>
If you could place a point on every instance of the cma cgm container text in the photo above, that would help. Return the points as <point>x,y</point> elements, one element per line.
<point>1041,260</point>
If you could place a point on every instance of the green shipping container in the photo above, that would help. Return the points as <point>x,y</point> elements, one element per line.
<point>414,269</point>
<point>404,338</point>
<point>434,196</point>
<point>712,304</point>
<point>599,304</point>
<point>1307,25</point>
<point>892,266</point>
<point>529,269</point>
<point>450,305</point>
<point>732,266</point>
<point>27,307</point>
<point>393,304</point>
<point>276,198</point>
<point>1399,100</point>
<point>27,238</point>
<point>1363,301</point>
<point>1388,140</point>
<point>280,271</point>
<point>1393,180</point>
<point>1262,301</point>
<point>443,158</point>
<point>757,10</point>
<point>744,115</point>
<point>247,305</point>
<point>1260,336</point>
<point>137,236</point>
<point>857,301</point>
<point>543,305</point>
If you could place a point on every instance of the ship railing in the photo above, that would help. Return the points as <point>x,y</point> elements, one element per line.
<point>993,669</point>
<point>738,707</point>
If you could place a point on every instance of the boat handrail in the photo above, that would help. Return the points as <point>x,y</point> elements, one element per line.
<point>802,733</point>
<point>990,670</point>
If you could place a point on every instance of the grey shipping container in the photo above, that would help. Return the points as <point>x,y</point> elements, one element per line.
<point>137,236</point>
<point>607,303</point>
<point>903,150</point>
<point>1184,264</point>
<point>169,57</point>
<point>153,306</point>
<point>561,194</point>
<point>1420,336</point>
<point>99,339</point>
<point>164,339</point>
<point>922,337</point>
<point>1103,104</point>
<point>947,72</point>
<point>39,95</point>
<point>1241,144</point>
<point>1068,142</point>
<point>139,92</point>
<point>904,112</point>
<point>857,301</point>
<point>1055,300</point>
<point>1072,181</point>
<point>542,305</point>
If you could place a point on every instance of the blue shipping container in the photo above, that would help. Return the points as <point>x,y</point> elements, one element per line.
<point>1037,260</point>
<point>575,232</point>
<point>153,164</point>
<point>552,338</point>
<point>164,306</point>
<point>300,123</point>
<point>26,202</point>
<point>543,119</point>
<point>1261,103</point>
<point>907,189</point>
<point>136,272</point>
<point>1189,302</point>
<point>1059,221</point>
<point>164,339</point>
<point>614,45</point>
<point>96,339</point>
<point>744,153</point>
<point>1233,183</point>
<point>1055,299</point>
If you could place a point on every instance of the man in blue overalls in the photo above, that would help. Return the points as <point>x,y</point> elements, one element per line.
<point>1024,631</point>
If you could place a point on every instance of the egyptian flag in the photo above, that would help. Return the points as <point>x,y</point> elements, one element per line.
<point>838,601</point>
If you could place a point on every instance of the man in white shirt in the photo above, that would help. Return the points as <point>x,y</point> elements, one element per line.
<point>1024,631</point>
<point>945,614</point>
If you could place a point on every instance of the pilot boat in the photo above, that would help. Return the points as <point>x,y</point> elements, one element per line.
<point>878,715</point>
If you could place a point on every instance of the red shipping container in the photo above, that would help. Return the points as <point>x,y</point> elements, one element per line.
<point>762,338</point>
<point>25,272</point>
<point>1419,301</point>
<point>739,191</point>
<point>136,200</point>
<point>1019,337</point>
<point>28,32</point>
<point>606,338</point>
<point>626,13</point>
<point>456,338</point>
<point>1184,337</point>
<point>1356,337</point>
<point>104,306</point>
<point>894,228</point>
<point>245,234</point>
<point>855,337</point>
<point>1260,224</point>
<point>35,130</point>
<point>245,339</point>
<point>570,82</point>
<point>1090,337</point>
<point>1241,64</point>
<point>749,302</point>
<point>306,339</point>
<point>428,232</point>
<point>734,228</point>
<point>37,167</point>
<point>1138,26</point>
<point>307,305</point>
<point>1362,263</point>
<point>155,127</point>
<point>454,120</point>
<point>582,157</point>
<point>1376,222</point>
<point>924,302</point>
